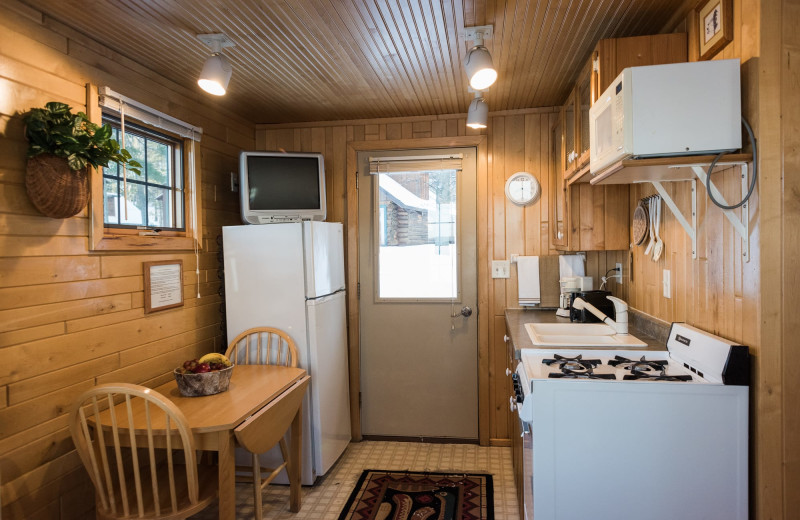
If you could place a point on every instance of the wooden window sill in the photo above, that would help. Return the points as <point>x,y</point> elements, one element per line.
<point>144,243</point>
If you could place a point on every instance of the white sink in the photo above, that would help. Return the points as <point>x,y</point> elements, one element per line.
<point>579,335</point>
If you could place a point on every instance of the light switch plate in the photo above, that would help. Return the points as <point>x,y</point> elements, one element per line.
<point>666,284</point>
<point>501,269</point>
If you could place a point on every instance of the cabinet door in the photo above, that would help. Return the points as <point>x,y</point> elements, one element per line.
<point>558,202</point>
<point>583,98</point>
<point>570,143</point>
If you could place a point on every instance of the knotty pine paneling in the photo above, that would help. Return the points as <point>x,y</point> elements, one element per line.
<point>747,302</point>
<point>70,319</point>
<point>354,58</point>
<point>517,140</point>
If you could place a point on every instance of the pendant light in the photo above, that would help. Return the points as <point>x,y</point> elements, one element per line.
<point>478,62</point>
<point>216,73</point>
<point>478,113</point>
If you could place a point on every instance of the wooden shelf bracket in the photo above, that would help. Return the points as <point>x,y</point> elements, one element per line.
<point>740,225</point>
<point>691,230</point>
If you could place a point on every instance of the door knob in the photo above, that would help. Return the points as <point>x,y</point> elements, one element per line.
<point>465,311</point>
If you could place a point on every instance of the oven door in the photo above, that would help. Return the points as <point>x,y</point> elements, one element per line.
<point>522,447</point>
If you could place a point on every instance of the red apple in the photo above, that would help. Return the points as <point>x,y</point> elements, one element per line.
<point>202,368</point>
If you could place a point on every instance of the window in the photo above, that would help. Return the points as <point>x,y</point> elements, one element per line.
<point>416,213</point>
<point>159,210</point>
<point>153,199</point>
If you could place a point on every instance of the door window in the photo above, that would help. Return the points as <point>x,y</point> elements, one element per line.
<point>417,247</point>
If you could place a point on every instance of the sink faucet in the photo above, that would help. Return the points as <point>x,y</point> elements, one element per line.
<point>620,326</point>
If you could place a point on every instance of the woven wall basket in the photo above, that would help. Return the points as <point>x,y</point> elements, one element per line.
<point>54,189</point>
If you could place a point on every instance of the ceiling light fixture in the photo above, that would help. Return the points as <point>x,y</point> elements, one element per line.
<point>478,113</point>
<point>478,61</point>
<point>217,70</point>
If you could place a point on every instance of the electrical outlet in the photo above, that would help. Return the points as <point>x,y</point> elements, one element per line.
<point>666,284</point>
<point>619,272</point>
<point>234,182</point>
<point>501,269</point>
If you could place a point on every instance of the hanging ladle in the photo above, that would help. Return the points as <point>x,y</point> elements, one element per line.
<point>651,215</point>
<point>658,249</point>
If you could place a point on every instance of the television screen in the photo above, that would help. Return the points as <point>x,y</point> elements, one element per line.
<point>281,187</point>
<point>276,183</point>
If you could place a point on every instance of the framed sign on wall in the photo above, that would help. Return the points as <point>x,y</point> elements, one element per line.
<point>714,26</point>
<point>163,285</point>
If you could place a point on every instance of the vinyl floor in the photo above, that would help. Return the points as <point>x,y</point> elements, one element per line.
<point>325,499</point>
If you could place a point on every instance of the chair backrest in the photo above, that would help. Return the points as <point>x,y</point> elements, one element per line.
<point>263,346</point>
<point>266,427</point>
<point>120,454</point>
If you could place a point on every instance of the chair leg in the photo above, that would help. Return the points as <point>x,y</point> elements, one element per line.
<point>257,486</point>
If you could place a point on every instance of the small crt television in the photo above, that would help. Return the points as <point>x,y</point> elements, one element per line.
<point>281,187</point>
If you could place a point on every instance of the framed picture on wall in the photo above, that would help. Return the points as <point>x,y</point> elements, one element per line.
<point>163,285</point>
<point>714,26</point>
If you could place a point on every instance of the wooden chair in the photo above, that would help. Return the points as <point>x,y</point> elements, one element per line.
<point>132,463</point>
<point>263,346</point>
<point>269,346</point>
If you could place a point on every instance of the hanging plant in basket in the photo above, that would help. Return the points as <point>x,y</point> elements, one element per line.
<point>62,147</point>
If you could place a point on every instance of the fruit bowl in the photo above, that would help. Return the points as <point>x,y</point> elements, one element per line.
<point>206,383</point>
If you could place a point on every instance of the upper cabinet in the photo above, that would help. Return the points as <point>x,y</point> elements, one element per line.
<point>570,139</point>
<point>585,217</point>
<point>583,100</point>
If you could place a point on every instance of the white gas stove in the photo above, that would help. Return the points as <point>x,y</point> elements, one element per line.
<point>650,435</point>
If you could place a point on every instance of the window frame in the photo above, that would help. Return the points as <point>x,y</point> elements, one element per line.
<point>179,170</point>
<point>104,238</point>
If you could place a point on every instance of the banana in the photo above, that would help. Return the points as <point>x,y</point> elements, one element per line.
<point>215,357</point>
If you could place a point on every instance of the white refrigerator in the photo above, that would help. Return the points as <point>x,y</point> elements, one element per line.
<point>291,276</point>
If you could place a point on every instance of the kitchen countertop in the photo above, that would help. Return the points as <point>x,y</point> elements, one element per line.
<point>517,318</point>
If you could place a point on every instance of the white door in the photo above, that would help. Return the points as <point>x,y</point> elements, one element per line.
<point>417,272</point>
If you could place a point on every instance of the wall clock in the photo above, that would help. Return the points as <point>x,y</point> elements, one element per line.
<point>523,189</point>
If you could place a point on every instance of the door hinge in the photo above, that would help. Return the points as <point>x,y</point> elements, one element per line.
<point>356,180</point>
<point>359,399</point>
<point>358,290</point>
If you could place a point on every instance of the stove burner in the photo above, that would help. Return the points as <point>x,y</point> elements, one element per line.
<point>566,373</point>
<point>643,365</point>
<point>574,363</point>
<point>636,374</point>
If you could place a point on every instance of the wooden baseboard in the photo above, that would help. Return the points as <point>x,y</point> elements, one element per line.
<point>500,443</point>
<point>428,440</point>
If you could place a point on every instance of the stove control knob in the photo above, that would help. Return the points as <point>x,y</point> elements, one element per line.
<point>512,403</point>
<point>508,372</point>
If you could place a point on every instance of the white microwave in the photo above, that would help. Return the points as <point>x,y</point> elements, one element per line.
<point>660,110</point>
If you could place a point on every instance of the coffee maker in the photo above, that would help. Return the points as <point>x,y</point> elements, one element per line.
<point>570,285</point>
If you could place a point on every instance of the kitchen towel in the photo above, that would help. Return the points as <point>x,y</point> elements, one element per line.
<point>571,265</point>
<point>528,279</point>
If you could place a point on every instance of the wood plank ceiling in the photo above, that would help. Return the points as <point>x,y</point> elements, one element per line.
<point>315,60</point>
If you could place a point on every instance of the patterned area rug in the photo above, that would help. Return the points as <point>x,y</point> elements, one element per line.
<point>403,495</point>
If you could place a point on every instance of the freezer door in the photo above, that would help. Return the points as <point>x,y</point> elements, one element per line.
<point>324,258</point>
<point>264,285</point>
<point>330,394</point>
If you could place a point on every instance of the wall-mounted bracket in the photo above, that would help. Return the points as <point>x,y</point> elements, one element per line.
<point>691,229</point>
<point>740,225</point>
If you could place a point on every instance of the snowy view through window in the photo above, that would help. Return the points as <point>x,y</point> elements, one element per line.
<point>417,235</point>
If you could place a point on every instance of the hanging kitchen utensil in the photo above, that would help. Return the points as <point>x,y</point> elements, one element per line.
<point>639,224</point>
<point>650,211</point>
<point>659,247</point>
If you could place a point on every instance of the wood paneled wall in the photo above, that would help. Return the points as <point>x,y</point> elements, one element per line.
<point>70,319</point>
<point>517,141</point>
<point>748,302</point>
